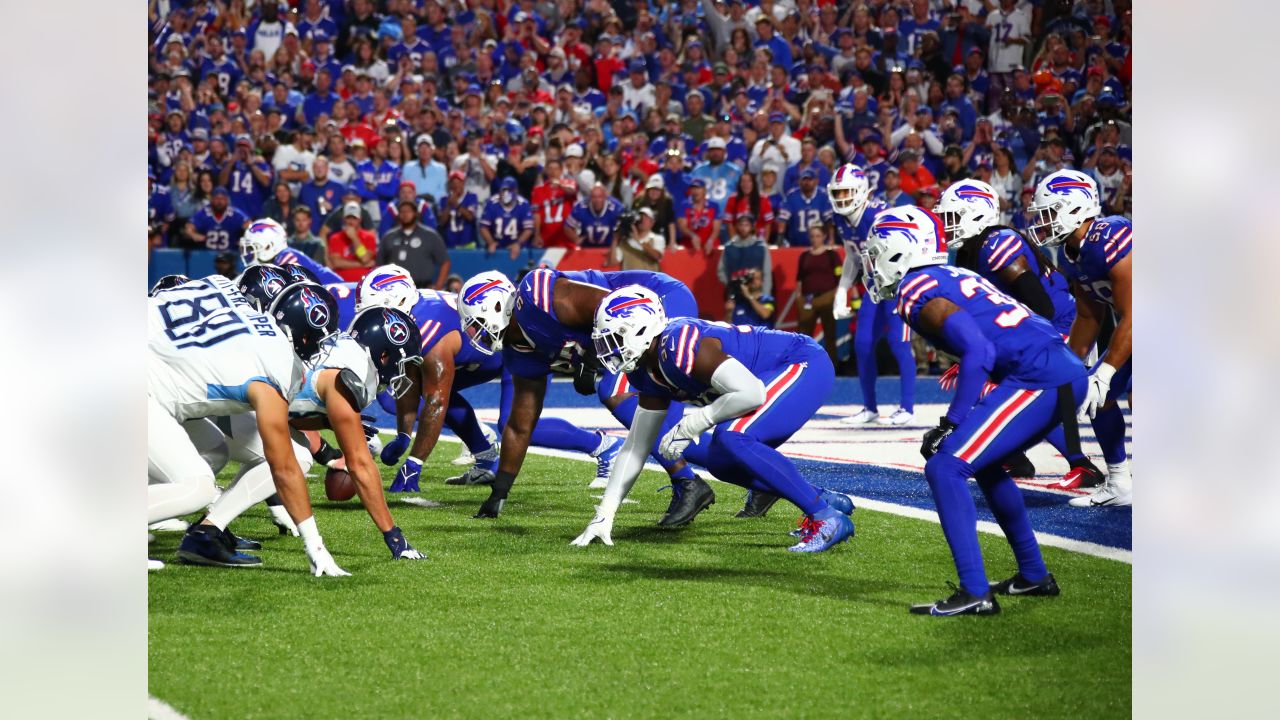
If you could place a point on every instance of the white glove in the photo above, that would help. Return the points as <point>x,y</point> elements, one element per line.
<point>601,527</point>
<point>1099,386</point>
<point>281,518</point>
<point>689,429</point>
<point>411,554</point>
<point>840,306</point>
<point>322,563</point>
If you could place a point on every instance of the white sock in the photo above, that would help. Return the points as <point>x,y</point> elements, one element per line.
<point>251,487</point>
<point>1118,476</point>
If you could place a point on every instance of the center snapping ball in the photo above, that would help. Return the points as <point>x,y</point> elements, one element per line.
<point>338,485</point>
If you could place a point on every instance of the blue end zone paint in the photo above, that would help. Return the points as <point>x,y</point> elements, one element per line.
<point>1049,512</point>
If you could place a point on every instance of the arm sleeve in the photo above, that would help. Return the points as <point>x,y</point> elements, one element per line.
<point>740,392</point>
<point>849,272</point>
<point>1030,291</point>
<point>768,272</point>
<point>976,359</point>
<point>645,427</point>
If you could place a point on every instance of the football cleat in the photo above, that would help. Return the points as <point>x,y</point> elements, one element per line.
<point>1018,466</point>
<point>1018,585</point>
<point>757,505</point>
<point>475,475</point>
<point>819,535</point>
<point>154,564</point>
<point>961,602</point>
<point>465,457</point>
<point>243,543</point>
<point>688,498</point>
<point>170,525</point>
<point>839,502</point>
<point>207,545</point>
<point>861,418</point>
<point>899,417</point>
<point>604,460</point>
<point>1083,475</point>
<point>1108,496</point>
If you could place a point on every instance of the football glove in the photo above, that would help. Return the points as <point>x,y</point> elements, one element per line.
<point>601,527</point>
<point>491,508</point>
<point>407,477</point>
<point>1099,387</point>
<point>933,439</point>
<point>949,378</point>
<point>281,518</point>
<point>322,563</point>
<point>688,430</point>
<point>392,451</point>
<point>399,547</point>
<point>840,305</point>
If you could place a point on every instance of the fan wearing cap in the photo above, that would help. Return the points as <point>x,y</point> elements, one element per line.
<point>458,213</point>
<point>802,208</point>
<point>721,177</point>
<point>352,250</point>
<point>776,146</point>
<point>641,248</point>
<point>172,139</point>
<point>217,226</point>
<point>507,220</point>
<point>248,176</point>
<point>699,223</point>
<point>637,92</point>
<point>654,197</point>
<point>425,172</point>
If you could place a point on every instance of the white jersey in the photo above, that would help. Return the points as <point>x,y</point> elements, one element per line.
<point>207,344</point>
<point>355,370</point>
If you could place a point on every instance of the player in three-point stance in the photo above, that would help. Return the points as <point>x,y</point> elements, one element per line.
<point>970,213</point>
<point>995,337</point>
<point>1097,256</point>
<point>753,388</point>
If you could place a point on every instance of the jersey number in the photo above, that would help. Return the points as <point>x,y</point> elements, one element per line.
<point>200,320</point>
<point>1009,318</point>
<point>217,239</point>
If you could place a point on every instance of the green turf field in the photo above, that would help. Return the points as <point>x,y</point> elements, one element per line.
<point>717,620</point>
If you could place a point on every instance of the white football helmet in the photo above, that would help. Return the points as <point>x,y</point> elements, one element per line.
<point>387,286</point>
<point>1063,202</point>
<point>626,322</point>
<point>901,239</point>
<point>848,190</point>
<point>967,208</point>
<point>263,241</point>
<point>486,302</point>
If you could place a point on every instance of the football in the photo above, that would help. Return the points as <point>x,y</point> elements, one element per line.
<point>338,485</point>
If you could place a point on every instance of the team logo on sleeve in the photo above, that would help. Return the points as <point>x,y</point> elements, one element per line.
<point>625,307</point>
<point>974,195</point>
<point>397,331</point>
<point>317,309</point>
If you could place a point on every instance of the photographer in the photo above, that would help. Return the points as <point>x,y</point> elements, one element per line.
<point>748,304</point>
<point>636,243</point>
<point>746,252</point>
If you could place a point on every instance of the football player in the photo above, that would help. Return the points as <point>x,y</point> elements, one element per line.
<point>849,192</point>
<point>997,338</point>
<point>545,325</point>
<point>970,212</point>
<point>432,399</point>
<point>265,241</point>
<point>1097,257</point>
<point>753,388</point>
<point>211,354</point>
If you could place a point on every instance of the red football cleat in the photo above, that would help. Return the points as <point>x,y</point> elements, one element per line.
<point>1084,475</point>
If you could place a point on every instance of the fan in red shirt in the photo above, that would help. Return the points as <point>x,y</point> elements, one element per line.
<point>552,200</point>
<point>352,250</point>
<point>748,199</point>
<point>700,226</point>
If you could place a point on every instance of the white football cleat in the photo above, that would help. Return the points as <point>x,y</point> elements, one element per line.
<point>465,457</point>
<point>154,564</point>
<point>1108,495</point>
<point>899,417</point>
<point>862,418</point>
<point>170,525</point>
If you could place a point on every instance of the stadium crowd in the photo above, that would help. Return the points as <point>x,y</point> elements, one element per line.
<point>390,131</point>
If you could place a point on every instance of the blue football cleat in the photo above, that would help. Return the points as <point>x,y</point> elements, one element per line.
<point>604,462</point>
<point>819,535</point>
<point>207,545</point>
<point>839,502</point>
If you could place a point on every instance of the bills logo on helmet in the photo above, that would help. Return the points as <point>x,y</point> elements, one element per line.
<point>260,226</point>
<point>397,331</point>
<point>624,307</point>
<point>317,308</point>
<point>476,296</point>
<point>973,194</point>
<point>1064,186</point>
<point>386,281</point>
<point>847,172</point>
<point>886,223</point>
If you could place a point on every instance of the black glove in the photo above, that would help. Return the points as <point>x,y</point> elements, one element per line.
<point>933,439</point>
<point>326,453</point>
<point>584,379</point>
<point>497,496</point>
<point>490,509</point>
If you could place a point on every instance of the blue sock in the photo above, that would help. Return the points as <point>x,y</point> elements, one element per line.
<point>1058,440</point>
<point>1108,425</point>
<point>948,482</point>
<point>560,434</point>
<point>1005,499</point>
<point>906,367</point>
<point>770,468</point>
<point>864,348</point>
<point>461,419</point>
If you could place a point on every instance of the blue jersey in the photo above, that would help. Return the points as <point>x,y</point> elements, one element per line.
<point>386,180</point>
<point>436,314</point>
<point>321,200</point>
<point>546,341</point>
<point>220,233</point>
<point>875,175</point>
<point>1029,351</point>
<point>1107,242</point>
<point>460,232</point>
<point>799,213</point>
<point>225,73</point>
<point>595,230</point>
<point>506,224</point>
<point>289,256</point>
<point>722,181</point>
<point>854,235</point>
<point>246,192</point>
<point>316,104</point>
<point>759,349</point>
<point>1001,249</point>
<point>159,206</point>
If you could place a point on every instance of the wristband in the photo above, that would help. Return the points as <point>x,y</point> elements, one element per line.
<point>420,462</point>
<point>1104,372</point>
<point>307,529</point>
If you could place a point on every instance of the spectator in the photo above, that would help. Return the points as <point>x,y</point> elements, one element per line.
<point>718,175</point>
<point>816,278</point>
<point>912,175</point>
<point>280,205</point>
<point>217,226</point>
<point>655,198</point>
<point>642,248</point>
<point>893,194</point>
<point>458,213</point>
<point>321,195</point>
<point>575,168</point>
<point>248,176</point>
<point>804,206</point>
<point>1010,26</point>
<point>390,213</point>
<point>747,198</point>
<point>771,187</point>
<point>507,220</point>
<point>591,224</point>
<point>302,239</point>
<point>352,250</point>
<point>927,197</point>
<point>808,160</point>
<point>453,284</point>
<point>182,193</point>
<point>226,264</point>
<point>293,162</point>
<point>1007,183</point>
<point>746,251</point>
<point>777,146</point>
<point>426,173</point>
<point>415,247</point>
<point>552,200</point>
<point>334,220</point>
<point>700,224</point>
<point>341,167</point>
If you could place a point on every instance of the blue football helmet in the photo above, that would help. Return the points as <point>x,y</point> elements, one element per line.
<point>262,283</point>
<point>307,314</point>
<point>393,342</point>
<point>166,282</point>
